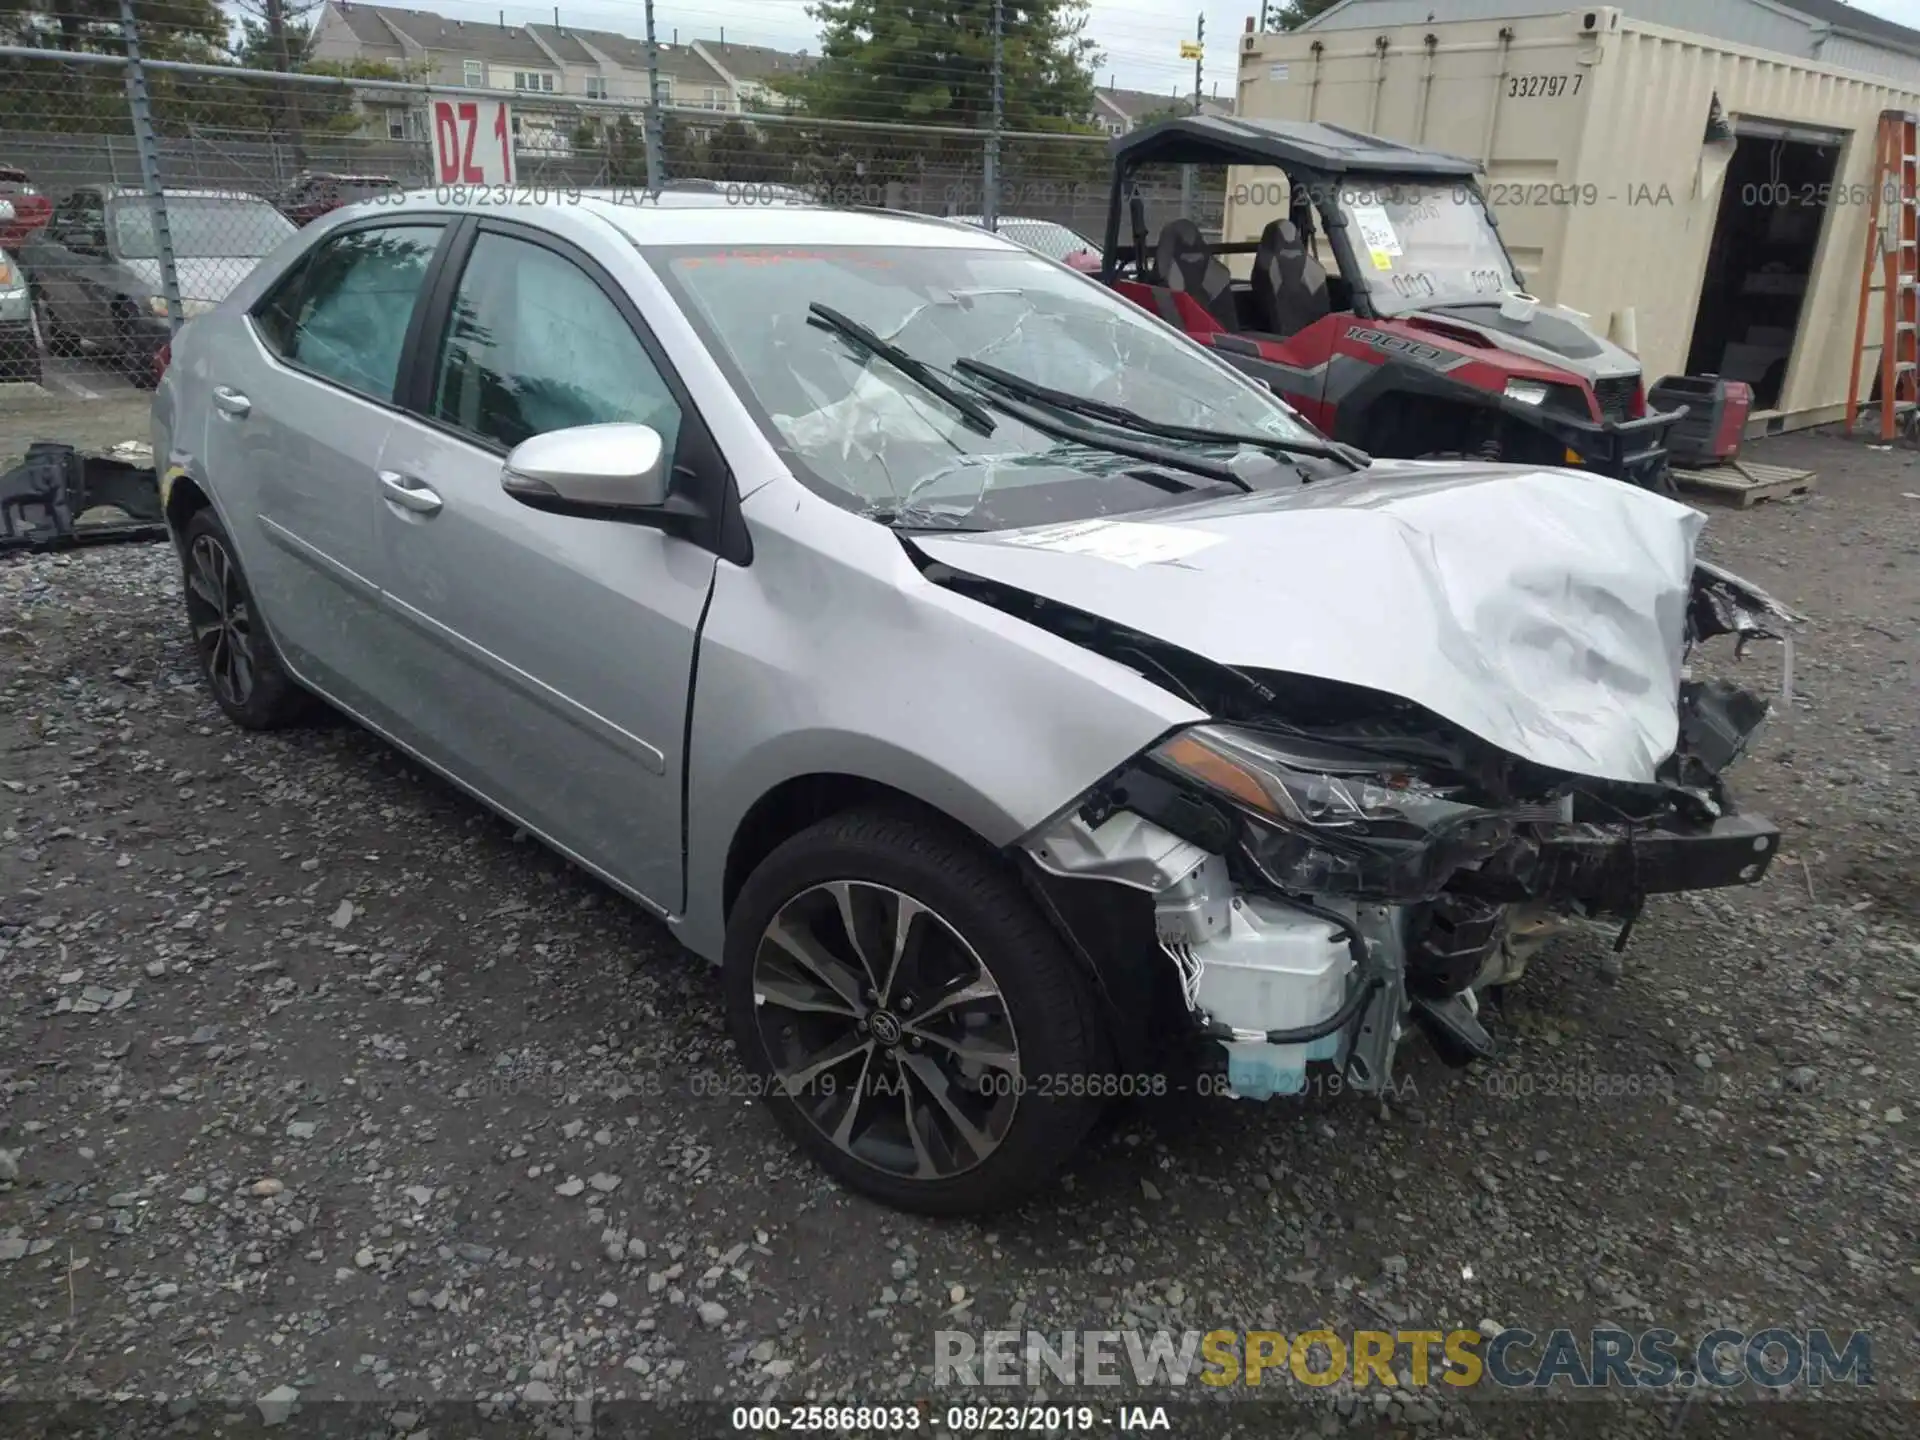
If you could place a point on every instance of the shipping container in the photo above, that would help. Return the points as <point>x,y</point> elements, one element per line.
<point>1839,34</point>
<point>1743,260</point>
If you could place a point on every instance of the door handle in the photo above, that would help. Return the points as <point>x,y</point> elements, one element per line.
<point>408,493</point>
<point>232,402</point>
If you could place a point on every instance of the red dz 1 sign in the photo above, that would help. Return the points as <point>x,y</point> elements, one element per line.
<point>472,142</point>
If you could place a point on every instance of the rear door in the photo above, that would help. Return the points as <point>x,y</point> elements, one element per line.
<point>301,408</point>
<point>551,655</point>
<point>61,273</point>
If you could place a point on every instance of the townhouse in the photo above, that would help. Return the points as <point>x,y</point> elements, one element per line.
<point>550,66</point>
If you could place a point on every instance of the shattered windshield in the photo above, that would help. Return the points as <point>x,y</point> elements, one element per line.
<point>1425,244</point>
<point>871,438</point>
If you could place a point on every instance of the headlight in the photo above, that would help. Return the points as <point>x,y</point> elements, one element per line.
<point>1357,795</point>
<point>1528,392</point>
<point>1332,822</point>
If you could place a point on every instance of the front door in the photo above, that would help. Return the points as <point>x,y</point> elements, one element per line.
<point>551,656</point>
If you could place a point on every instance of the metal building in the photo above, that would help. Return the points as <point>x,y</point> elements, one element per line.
<point>1742,259</point>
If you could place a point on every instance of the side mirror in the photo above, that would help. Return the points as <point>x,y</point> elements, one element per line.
<point>602,471</point>
<point>6,212</point>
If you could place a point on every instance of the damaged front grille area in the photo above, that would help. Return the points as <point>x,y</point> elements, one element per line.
<point>1616,395</point>
<point>1327,866</point>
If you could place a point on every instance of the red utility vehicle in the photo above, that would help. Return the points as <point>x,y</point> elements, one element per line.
<point>1420,340</point>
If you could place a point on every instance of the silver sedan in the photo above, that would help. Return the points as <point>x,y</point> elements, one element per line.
<point>1022,706</point>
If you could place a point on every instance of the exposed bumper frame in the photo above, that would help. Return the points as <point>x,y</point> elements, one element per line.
<point>1631,450</point>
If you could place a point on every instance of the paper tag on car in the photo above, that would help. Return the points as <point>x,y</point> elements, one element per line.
<point>1376,233</point>
<point>1124,542</point>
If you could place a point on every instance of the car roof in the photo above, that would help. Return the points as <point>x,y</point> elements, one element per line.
<point>134,192</point>
<point>1312,145</point>
<point>697,217</point>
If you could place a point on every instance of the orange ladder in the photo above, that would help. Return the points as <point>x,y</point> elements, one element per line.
<point>1894,233</point>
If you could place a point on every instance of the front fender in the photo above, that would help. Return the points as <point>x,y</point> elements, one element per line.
<point>830,654</point>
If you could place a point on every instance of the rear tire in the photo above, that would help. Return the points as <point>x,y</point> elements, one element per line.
<point>960,1036</point>
<point>133,356</point>
<point>237,655</point>
<point>52,337</point>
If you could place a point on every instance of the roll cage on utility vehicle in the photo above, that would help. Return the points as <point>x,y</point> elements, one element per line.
<point>1423,340</point>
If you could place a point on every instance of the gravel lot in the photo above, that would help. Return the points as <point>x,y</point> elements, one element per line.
<point>316,1075</point>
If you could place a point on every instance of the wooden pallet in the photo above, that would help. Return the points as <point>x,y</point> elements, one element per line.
<point>1747,482</point>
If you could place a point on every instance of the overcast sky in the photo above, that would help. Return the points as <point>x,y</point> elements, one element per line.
<point>1141,39</point>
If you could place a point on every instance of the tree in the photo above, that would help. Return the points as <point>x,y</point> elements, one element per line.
<point>1173,110</point>
<point>906,61</point>
<point>277,35</point>
<point>169,29</point>
<point>39,95</point>
<point>245,103</point>
<point>1292,14</point>
<point>739,153</point>
<point>625,144</point>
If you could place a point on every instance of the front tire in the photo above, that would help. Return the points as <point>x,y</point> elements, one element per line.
<point>916,1025</point>
<point>236,654</point>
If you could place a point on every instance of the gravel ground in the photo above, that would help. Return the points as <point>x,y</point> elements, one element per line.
<point>28,413</point>
<point>319,1079</point>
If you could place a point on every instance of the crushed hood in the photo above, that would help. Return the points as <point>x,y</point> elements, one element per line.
<point>1542,610</point>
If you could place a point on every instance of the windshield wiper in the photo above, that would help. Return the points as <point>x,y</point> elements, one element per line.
<point>969,409</point>
<point>1125,419</point>
<point>1034,418</point>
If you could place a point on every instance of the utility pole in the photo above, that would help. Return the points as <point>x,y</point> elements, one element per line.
<point>656,170</point>
<point>286,94</point>
<point>990,198</point>
<point>1199,54</point>
<point>1199,60</point>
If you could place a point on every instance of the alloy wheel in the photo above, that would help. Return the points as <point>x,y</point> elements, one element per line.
<point>886,1030</point>
<point>222,621</point>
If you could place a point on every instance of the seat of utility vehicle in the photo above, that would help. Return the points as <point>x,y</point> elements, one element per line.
<point>1288,290</point>
<point>1186,265</point>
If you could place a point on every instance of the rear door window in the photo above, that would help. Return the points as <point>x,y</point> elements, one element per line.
<point>342,312</point>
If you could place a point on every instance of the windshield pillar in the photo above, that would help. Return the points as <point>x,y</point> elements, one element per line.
<point>1116,209</point>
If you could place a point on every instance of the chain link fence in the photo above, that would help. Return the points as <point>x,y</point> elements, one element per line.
<point>102,259</point>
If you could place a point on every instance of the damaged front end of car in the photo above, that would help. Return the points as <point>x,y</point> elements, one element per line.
<point>1319,867</point>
